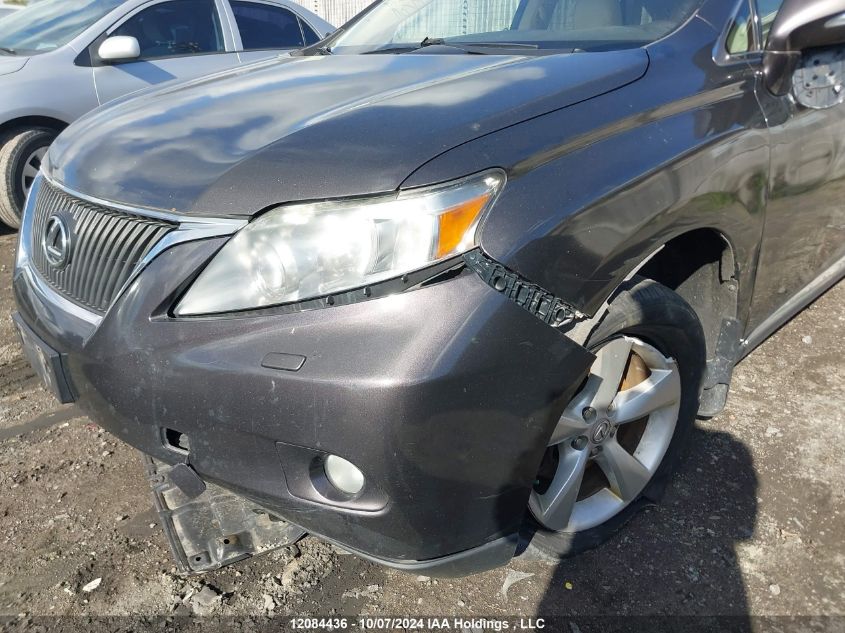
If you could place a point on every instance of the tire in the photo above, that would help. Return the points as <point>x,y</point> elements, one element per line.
<point>654,317</point>
<point>15,149</point>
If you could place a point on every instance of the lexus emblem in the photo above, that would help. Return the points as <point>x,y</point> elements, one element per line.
<point>56,242</point>
<point>601,432</point>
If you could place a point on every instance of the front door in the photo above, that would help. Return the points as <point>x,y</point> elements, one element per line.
<point>804,233</point>
<point>179,39</point>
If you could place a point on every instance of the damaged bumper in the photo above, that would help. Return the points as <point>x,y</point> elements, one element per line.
<point>210,527</point>
<point>444,397</point>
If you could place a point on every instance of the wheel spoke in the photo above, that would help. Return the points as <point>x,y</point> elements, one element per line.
<point>31,167</point>
<point>651,388</point>
<point>572,423</point>
<point>627,476</point>
<point>609,366</point>
<point>554,507</point>
<point>30,171</point>
<point>660,389</point>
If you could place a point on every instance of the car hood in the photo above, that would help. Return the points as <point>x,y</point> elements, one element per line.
<point>11,64</point>
<point>315,127</point>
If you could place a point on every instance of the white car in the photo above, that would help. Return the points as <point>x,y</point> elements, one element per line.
<point>62,58</point>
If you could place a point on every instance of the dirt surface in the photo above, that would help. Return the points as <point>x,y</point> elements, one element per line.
<point>753,523</point>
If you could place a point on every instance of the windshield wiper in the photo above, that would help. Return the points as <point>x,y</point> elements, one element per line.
<point>391,50</point>
<point>432,41</point>
<point>8,51</point>
<point>439,41</point>
<point>466,47</point>
<point>312,50</point>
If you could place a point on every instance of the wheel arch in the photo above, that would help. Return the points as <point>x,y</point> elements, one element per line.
<point>33,121</point>
<point>701,266</point>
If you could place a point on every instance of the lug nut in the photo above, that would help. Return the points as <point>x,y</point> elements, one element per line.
<point>589,414</point>
<point>596,450</point>
<point>580,443</point>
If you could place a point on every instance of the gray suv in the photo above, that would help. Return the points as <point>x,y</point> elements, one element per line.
<point>442,284</point>
<point>90,52</point>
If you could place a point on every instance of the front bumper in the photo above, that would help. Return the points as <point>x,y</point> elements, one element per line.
<point>443,396</point>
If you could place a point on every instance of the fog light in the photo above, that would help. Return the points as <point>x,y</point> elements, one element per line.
<point>344,475</point>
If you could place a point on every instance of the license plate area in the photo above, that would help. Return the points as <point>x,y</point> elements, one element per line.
<point>45,361</point>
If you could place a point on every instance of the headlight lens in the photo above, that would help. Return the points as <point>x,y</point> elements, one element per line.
<point>303,251</point>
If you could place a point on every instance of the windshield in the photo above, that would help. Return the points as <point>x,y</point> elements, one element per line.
<point>584,25</point>
<point>49,24</point>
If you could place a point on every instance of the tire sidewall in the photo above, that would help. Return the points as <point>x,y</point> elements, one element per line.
<point>44,138</point>
<point>15,148</point>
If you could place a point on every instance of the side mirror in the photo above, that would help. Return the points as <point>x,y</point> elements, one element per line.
<point>800,25</point>
<point>119,48</point>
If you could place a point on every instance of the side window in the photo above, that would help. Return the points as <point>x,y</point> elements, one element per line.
<point>264,26</point>
<point>767,11</point>
<point>741,32</point>
<point>311,36</point>
<point>178,27</point>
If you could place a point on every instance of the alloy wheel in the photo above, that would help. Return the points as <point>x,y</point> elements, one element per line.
<point>31,167</point>
<point>611,438</point>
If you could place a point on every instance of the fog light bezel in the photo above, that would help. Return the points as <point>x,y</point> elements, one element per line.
<point>305,478</point>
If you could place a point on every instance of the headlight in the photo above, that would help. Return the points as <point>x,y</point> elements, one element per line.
<point>303,251</point>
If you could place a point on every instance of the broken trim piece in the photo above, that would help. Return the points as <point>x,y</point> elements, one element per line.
<point>531,297</point>
<point>214,527</point>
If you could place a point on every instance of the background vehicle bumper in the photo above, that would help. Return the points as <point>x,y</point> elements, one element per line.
<point>444,397</point>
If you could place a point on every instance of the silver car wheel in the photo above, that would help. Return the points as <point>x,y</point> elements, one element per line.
<point>611,438</point>
<point>31,167</point>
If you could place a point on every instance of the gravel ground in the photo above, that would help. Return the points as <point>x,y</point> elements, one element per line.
<point>752,525</point>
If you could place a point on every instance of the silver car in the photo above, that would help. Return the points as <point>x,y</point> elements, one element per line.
<point>61,58</point>
<point>6,9</point>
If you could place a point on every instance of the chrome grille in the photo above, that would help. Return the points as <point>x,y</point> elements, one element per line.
<point>107,246</point>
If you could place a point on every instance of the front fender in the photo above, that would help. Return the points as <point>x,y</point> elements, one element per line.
<point>9,65</point>
<point>597,187</point>
<point>32,90</point>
